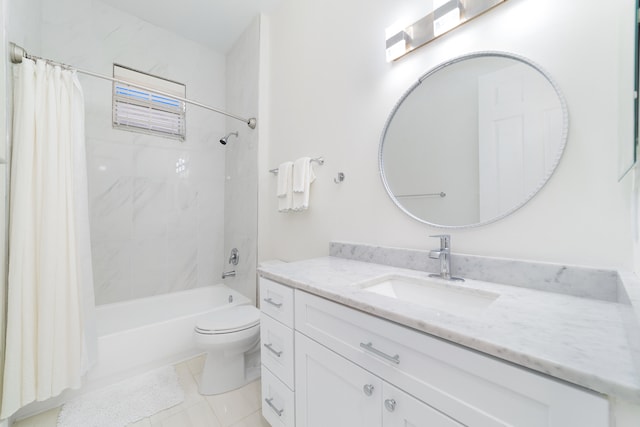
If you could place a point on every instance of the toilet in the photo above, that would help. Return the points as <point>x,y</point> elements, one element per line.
<point>229,336</point>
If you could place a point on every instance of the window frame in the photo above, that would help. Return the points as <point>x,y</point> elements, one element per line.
<point>143,105</point>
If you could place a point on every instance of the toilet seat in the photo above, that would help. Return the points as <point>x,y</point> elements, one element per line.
<point>229,320</point>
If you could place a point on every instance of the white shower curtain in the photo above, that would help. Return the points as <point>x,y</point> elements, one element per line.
<point>50,340</point>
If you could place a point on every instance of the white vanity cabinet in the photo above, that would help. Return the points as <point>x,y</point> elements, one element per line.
<point>347,368</point>
<point>276,339</point>
<point>332,391</point>
<point>433,377</point>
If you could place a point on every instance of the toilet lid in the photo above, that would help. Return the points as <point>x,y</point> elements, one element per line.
<point>229,320</point>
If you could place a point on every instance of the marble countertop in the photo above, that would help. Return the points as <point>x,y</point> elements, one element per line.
<point>588,342</point>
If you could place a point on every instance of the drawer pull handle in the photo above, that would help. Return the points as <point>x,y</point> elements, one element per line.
<point>368,389</point>
<point>390,404</point>
<point>369,347</point>
<point>276,410</point>
<point>273,303</point>
<point>270,348</point>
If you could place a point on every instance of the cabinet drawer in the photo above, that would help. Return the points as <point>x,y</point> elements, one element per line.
<point>277,348</point>
<point>277,301</point>
<point>474,389</point>
<point>277,401</point>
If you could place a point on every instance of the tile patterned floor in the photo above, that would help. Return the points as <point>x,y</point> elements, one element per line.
<point>238,408</point>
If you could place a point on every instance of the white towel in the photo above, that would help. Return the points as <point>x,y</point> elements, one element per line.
<point>284,179</point>
<point>303,176</point>
<point>285,187</point>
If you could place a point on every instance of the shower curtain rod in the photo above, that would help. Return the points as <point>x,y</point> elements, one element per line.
<point>17,53</point>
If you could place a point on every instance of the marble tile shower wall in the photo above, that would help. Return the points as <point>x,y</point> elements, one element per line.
<point>153,230</point>
<point>241,186</point>
<point>156,204</point>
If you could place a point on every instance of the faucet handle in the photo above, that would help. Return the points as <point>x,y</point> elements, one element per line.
<point>445,240</point>
<point>234,258</point>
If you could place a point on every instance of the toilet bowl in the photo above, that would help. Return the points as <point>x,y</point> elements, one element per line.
<point>229,336</point>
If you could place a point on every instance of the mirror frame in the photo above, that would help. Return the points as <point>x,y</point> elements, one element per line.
<point>533,192</point>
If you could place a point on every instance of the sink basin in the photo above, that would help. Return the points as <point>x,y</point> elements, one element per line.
<point>437,294</point>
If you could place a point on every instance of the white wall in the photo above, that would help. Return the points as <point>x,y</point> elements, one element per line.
<point>23,21</point>
<point>154,229</point>
<point>3,188</point>
<point>22,26</point>
<point>330,91</point>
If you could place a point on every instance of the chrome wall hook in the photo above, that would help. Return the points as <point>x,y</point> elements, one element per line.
<point>339,179</point>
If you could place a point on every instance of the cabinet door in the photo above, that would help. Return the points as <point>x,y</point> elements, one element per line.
<point>403,410</point>
<point>331,391</point>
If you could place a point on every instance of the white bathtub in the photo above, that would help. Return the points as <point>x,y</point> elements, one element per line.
<point>138,335</point>
<point>143,334</point>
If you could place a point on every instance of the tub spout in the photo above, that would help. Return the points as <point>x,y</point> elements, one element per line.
<point>226,274</point>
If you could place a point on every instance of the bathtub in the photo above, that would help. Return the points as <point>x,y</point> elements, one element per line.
<point>138,335</point>
<point>143,334</point>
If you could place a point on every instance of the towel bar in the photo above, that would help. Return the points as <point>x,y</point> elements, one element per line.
<point>318,160</point>
<point>440,194</point>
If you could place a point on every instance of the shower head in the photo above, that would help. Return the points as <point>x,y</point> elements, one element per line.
<point>223,141</point>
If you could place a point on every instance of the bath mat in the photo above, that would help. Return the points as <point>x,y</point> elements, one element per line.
<point>125,402</point>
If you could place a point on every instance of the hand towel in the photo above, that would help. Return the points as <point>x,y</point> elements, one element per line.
<point>303,176</point>
<point>284,178</point>
<point>285,189</point>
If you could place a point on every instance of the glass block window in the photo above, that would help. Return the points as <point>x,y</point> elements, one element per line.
<point>145,111</point>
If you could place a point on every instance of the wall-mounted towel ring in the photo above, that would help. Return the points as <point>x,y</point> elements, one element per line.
<point>339,179</point>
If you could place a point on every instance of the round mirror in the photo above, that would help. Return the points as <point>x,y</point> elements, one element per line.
<point>473,140</point>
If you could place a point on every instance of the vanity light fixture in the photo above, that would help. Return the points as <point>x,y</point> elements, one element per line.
<point>397,45</point>
<point>446,15</point>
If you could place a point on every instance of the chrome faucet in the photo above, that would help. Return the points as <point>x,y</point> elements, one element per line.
<point>444,255</point>
<point>226,274</point>
<point>234,258</point>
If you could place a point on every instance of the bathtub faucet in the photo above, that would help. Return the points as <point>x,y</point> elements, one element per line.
<point>226,274</point>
